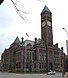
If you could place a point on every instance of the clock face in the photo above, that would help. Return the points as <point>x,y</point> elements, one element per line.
<point>43,23</point>
<point>48,23</point>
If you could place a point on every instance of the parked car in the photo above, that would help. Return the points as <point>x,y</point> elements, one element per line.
<point>51,73</point>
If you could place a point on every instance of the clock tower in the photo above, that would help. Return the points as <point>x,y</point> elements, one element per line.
<point>46,27</point>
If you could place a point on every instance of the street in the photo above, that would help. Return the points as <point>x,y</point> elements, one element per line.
<point>12,75</point>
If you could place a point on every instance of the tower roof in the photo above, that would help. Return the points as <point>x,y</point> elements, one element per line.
<point>46,9</point>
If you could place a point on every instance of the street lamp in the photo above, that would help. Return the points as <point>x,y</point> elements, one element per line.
<point>67,39</point>
<point>63,71</point>
<point>66,31</point>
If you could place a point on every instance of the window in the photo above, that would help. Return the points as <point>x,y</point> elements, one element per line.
<point>39,57</point>
<point>56,59</point>
<point>34,65</point>
<point>45,65</point>
<point>42,50</point>
<point>27,66</point>
<point>40,65</point>
<point>44,57</point>
<point>27,55</point>
<point>18,65</point>
<point>50,52</point>
<point>29,45</point>
<point>32,56</point>
<point>56,53</point>
<point>35,55</point>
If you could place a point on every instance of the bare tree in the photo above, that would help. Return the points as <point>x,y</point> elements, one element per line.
<point>1,1</point>
<point>18,7</point>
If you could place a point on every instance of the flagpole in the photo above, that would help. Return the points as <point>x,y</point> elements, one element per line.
<point>25,51</point>
<point>30,56</point>
<point>25,57</point>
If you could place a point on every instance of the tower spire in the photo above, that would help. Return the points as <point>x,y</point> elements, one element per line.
<point>46,9</point>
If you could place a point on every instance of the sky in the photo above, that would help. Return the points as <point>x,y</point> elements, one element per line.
<point>12,25</point>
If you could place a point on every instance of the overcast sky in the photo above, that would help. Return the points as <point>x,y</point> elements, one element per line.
<point>11,25</point>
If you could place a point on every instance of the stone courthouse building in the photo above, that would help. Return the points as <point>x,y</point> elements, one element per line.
<point>39,55</point>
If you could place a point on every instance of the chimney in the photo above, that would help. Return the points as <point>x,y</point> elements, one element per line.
<point>22,39</point>
<point>35,40</point>
<point>62,49</point>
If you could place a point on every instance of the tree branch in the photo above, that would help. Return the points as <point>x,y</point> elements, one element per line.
<point>18,10</point>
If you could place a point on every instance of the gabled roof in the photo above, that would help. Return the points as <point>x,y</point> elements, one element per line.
<point>17,40</point>
<point>28,42</point>
<point>46,9</point>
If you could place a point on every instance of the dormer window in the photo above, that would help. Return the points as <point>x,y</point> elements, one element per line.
<point>29,45</point>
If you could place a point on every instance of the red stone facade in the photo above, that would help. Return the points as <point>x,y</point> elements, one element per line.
<point>39,55</point>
